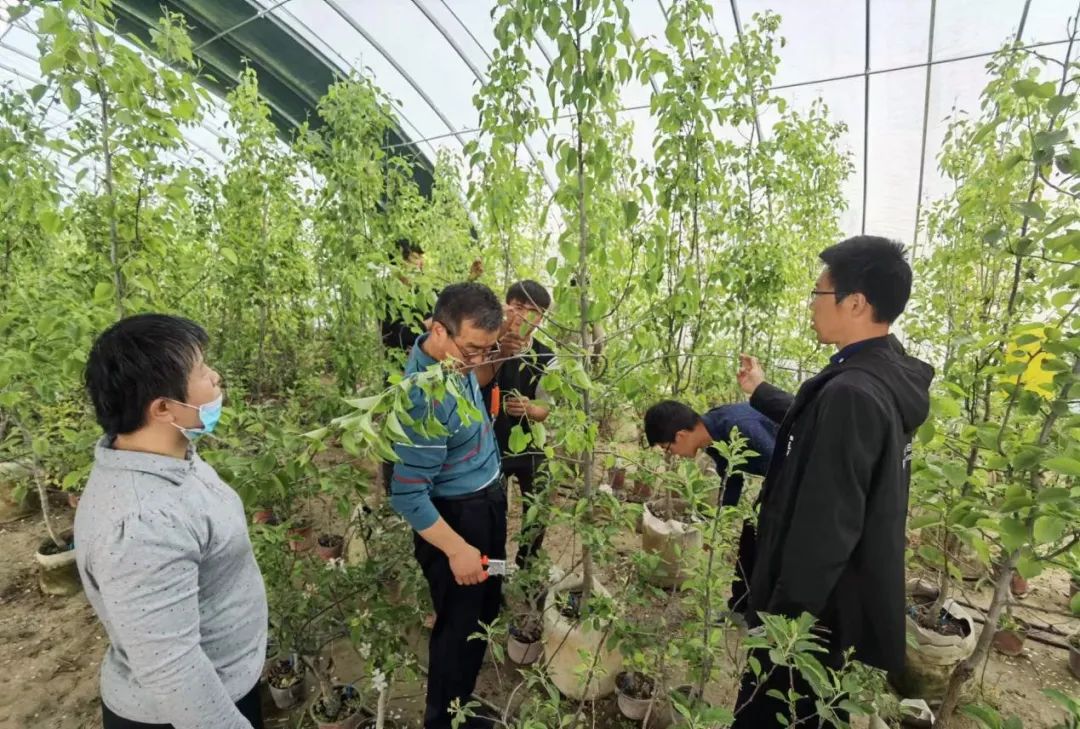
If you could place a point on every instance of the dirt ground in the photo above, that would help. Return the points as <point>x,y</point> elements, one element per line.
<point>51,647</point>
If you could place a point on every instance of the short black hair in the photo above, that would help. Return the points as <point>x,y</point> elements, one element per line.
<point>664,419</point>
<point>874,267</point>
<point>469,301</point>
<point>407,248</point>
<point>136,361</point>
<point>529,292</point>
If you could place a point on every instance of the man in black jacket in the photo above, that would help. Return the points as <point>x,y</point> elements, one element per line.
<point>830,538</point>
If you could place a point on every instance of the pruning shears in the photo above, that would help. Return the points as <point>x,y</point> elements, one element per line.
<point>494,567</point>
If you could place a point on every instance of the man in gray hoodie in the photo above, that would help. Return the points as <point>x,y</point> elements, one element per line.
<point>161,541</point>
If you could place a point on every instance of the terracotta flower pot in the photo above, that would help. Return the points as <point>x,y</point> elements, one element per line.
<point>1009,642</point>
<point>73,499</point>
<point>263,516</point>
<point>640,492</point>
<point>329,546</point>
<point>300,539</point>
<point>1018,585</point>
<point>618,479</point>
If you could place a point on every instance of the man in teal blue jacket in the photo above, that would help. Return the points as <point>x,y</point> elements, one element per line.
<point>447,485</point>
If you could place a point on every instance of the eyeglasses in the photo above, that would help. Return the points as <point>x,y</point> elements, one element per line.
<point>816,292</point>
<point>470,355</point>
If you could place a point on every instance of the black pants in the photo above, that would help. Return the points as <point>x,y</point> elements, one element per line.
<point>249,706</point>
<point>453,660</point>
<point>387,476</point>
<point>744,565</point>
<point>755,709</point>
<point>531,478</point>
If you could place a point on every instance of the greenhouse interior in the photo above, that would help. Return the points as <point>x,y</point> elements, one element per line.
<point>540,363</point>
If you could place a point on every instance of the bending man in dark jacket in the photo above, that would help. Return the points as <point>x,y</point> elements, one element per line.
<point>833,507</point>
<point>675,427</point>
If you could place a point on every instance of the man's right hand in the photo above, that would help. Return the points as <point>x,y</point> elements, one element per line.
<point>750,374</point>
<point>466,566</point>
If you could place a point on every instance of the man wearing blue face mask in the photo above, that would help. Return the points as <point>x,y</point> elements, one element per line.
<point>161,541</point>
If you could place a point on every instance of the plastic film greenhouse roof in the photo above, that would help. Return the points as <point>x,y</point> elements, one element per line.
<point>868,60</point>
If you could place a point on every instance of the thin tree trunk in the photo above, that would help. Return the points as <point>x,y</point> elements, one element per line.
<point>586,335</point>
<point>110,192</point>
<point>380,710</point>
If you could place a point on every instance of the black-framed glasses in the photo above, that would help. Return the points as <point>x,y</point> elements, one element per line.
<point>819,292</point>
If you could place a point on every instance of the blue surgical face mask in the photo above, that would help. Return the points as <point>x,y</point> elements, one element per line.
<point>209,415</point>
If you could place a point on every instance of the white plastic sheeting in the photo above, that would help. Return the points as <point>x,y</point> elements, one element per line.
<point>428,54</point>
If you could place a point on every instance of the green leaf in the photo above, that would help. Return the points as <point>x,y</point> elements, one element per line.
<point>393,425</point>
<point>1063,464</point>
<point>229,255</point>
<point>52,20</point>
<point>364,403</point>
<point>71,97</point>
<point>927,432</point>
<point>1013,533</point>
<point>1059,104</point>
<point>1074,604</point>
<point>49,221</point>
<point>1026,88</point>
<point>1044,140</point>
<point>1029,566</point>
<point>674,35</point>
<point>984,716</point>
<point>924,520</point>
<point>1048,529</point>
<point>519,439</point>
<point>1030,210</point>
<point>104,292</point>
<point>944,406</point>
<point>1062,299</point>
<point>1055,496</point>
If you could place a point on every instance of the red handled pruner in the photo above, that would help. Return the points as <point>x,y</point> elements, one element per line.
<point>494,567</point>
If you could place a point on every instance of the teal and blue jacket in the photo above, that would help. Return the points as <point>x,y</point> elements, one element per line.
<point>445,466</point>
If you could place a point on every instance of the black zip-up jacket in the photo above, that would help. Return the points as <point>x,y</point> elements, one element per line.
<point>833,508</point>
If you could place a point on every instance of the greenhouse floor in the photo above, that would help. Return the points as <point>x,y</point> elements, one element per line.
<point>50,648</point>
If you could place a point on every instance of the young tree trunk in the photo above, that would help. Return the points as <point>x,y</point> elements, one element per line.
<point>107,155</point>
<point>963,672</point>
<point>586,338</point>
<point>380,710</point>
<point>43,494</point>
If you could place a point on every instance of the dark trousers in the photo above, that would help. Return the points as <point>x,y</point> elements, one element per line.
<point>744,565</point>
<point>453,660</point>
<point>755,709</point>
<point>387,476</point>
<point>531,478</point>
<point>249,706</point>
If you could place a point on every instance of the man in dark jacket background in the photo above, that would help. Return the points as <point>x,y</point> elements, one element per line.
<point>830,537</point>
